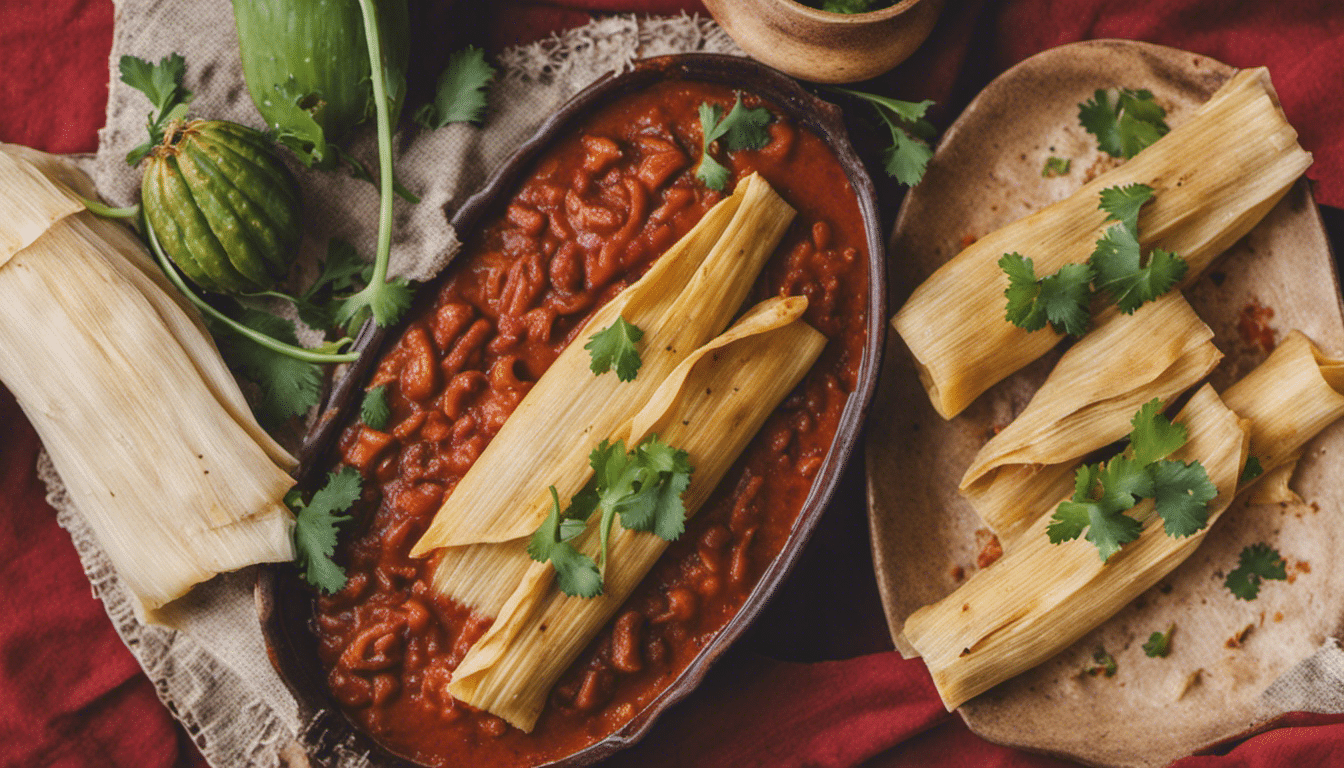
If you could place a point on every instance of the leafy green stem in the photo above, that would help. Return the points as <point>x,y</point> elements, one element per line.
<point>373,295</point>
<point>288,350</point>
<point>108,212</point>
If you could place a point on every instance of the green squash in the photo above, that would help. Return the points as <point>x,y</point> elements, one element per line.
<point>306,64</point>
<point>224,208</point>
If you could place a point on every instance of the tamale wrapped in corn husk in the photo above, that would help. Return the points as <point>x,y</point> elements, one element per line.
<point>1085,404</point>
<point>1290,397</point>
<point>148,431</point>
<point>1040,597</point>
<point>1214,178</point>
<point>685,299</point>
<point>710,406</point>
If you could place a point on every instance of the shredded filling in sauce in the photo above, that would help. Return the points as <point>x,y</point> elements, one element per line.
<point>594,213</point>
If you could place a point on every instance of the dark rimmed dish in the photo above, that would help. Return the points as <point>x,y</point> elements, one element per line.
<point>285,604</point>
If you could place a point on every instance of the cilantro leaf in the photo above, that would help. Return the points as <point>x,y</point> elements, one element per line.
<point>1063,298</point>
<point>847,6</point>
<point>1251,471</point>
<point>1153,436</point>
<point>1182,493</point>
<point>1119,272</point>
<point>460,94</point>
<point>907,157</point>
<point>1159,643</point>
<point>289,387</point>
<point>656,505</point>
<point>1056,166</point>
<point>1102,517</point>
<point>615,346</point>
<point>742,128</point>
<point>386,302</point>
<point>341,272</point>
<point>1123,204</point>
<point>1124,481</point>
<point>1103,663</point>
<point>162,84</point>
<point>375,411</point>
<point>576,574</point>
<point>315,526</point>
<point>1124,122</point>
<point>1256,563</point>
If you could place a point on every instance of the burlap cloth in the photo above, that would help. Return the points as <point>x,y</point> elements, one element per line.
<point>212,671</point>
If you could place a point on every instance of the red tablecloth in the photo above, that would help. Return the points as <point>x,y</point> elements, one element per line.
<point>814,683</point>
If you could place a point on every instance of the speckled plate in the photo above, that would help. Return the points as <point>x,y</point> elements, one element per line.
<point>987,172</point>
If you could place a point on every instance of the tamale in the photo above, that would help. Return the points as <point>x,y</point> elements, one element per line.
<point>711,406</point>
<point>1040,597</point>
<point>1085,404</point>
<point>1214,178</point>
<point>687,297</point>
<point>157,450</point>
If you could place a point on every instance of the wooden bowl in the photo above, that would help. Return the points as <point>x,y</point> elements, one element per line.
<point>826,47</point>
<point>285,604</point>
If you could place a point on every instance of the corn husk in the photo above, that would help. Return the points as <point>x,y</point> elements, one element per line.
<point>1040,597</point>
<point>1214,178</point>
<point>148,432</point>
<point>687,297</point>
<point>711,406</point>
<point>1085,404</point>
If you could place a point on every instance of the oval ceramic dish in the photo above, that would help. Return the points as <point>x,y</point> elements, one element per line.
<point>286,605</point>
<point>986,173</point>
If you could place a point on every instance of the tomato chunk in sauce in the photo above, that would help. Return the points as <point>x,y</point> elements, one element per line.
<point>594,212</point>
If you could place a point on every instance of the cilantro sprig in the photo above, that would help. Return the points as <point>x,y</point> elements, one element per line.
<point>614,347</point>
<point>742,128</point>
<point>1105,492</point>
<point>1124,121</point>
<point>1158,644</point>
<point>1116,270</point>
<point>1056,166</point>
<point>162,84</point>
<point>315,526</point>
<point>1256,563</point>
<point>642,487</point>
<point>460,94</point>
<point>374,411</point>
<point>908,156</point>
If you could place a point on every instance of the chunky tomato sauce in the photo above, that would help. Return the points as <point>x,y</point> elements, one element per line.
<point>596,210</point>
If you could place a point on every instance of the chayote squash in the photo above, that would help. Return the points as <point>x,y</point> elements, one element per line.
<point>224,208</point>
<point>306,64</point>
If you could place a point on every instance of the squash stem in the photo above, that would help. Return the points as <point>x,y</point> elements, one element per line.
<point>288,350</point>
<point>108,212</point>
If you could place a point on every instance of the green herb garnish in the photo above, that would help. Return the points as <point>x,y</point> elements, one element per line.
<point>642,487</point>
<point>1257,562</point>
<point>742,128</point>
<point>1103,663</point>
<point>614,346</point>
<point>374,410</point>
<point>908,156</point>
<point>162,83</point>
<point>1103,493</point>
<point>460,95</point>
<point>1159,643</point>
<point>1124,121</point>
<point>315,526</point>
<point>1251,471</point>
<point>1062,298</point>
<point>1056,166</point>
<point>289,386</point>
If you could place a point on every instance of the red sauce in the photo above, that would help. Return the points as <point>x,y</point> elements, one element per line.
<point>597,209</point>
<point>1253,324</point>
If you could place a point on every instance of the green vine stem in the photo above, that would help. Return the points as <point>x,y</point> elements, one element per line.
<point>289,350</point>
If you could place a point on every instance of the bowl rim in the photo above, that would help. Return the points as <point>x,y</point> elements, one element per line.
<point>281,597</point>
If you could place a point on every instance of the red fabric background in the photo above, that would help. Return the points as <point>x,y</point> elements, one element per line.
<point>814,682</point>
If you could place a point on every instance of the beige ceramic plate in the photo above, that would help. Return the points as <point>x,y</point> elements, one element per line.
<point>986,173</point>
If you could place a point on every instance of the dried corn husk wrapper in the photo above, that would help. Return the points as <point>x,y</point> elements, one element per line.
<point>1040,597</point>
<point>144,423</point>
<point>1214,177</point>
<point>686,298</point>
<point>710,406</point>
<point>1085,404</point>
